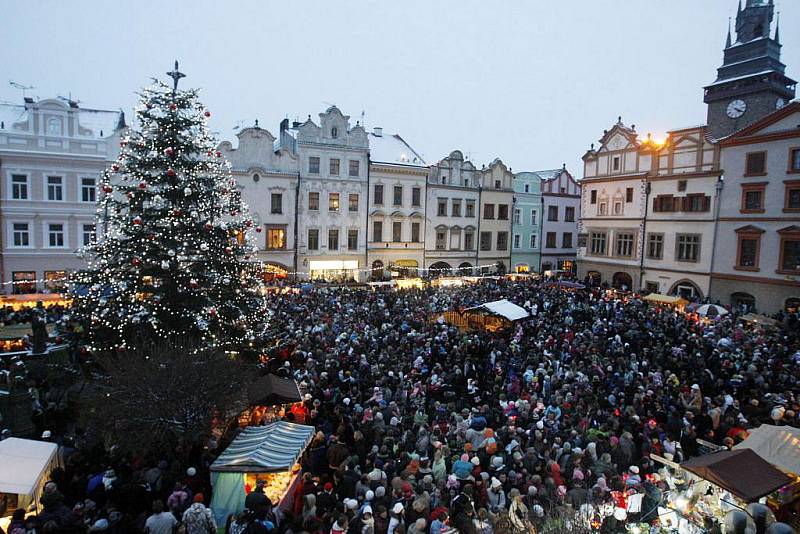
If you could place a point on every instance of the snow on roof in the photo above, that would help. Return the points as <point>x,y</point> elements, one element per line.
<point>548,174</point>
<point>506,309</point>
<point>719,81</point>
<point>96,120</point>
<point>99,121</point>
<point>393,149</point>
<point>22,463</point>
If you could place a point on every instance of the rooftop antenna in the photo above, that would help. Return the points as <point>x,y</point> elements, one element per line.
<point>21,87</point>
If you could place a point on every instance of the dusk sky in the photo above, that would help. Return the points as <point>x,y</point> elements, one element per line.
<point>533,83</point>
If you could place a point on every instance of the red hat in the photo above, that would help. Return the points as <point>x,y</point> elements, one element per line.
<point>198,497</point>
<point>328,486</point>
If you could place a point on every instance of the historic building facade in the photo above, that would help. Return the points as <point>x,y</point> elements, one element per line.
<point>452,216</point>
<point>757,251</point>
<point>334,166</point>
<point>52,155</point>
<point>267,172</point>
<point>397,191</point>
<point>561,198</point>
<point>526,223</point>
<point>612,209</point>
<point>496,201</point>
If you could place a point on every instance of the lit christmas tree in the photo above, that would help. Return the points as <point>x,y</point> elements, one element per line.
<point>171,259</point>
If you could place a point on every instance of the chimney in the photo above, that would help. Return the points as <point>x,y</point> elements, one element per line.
<point>284,125</point>
<point>377,131</point>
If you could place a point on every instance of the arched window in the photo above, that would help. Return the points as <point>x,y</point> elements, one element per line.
<point>256,177</point>
<point>741,299</point>
<point>622,281</point>
<point>334,132</point>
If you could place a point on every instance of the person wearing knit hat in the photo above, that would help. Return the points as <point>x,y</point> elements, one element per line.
<point>198,518</point>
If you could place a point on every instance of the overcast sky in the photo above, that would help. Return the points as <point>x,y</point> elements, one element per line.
<point>533,82</point>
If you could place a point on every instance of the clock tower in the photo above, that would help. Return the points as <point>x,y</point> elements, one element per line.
<point>751,82</point>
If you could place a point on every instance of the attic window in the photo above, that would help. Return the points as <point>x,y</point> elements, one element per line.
<point>334,132</point>
<point>256,177</point>
<point>616,163</point>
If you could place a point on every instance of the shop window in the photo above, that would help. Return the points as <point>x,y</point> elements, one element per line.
<point>24,282</point>
<point>55,281</point>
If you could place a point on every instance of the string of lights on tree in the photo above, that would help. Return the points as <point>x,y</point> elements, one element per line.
<point>172,258</point>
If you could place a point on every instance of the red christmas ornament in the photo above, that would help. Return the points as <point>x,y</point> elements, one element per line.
<point>219,154</point>
<point>142,185</point>
<point>176,213</point>
<point>107,188</point>
<point>171,172</point>
<point>193,284</point>
<point>115,167</point>
<point>130,194</point>
<point>208,226</point>
<point>137,220</point>
<point>228,250</point>
<point>151,237</point>
<point>208,153</point>
<point>258,229</point>
<point>135,262</point>
<point>212,312</point>
<point>123,143</point>
<point>169,152</point>
<point>120,349</point>
<point>83,350</point>
<point>173,107</point>
<point>207,113</point>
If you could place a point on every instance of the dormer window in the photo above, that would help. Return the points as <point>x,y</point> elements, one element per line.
<point>334,132</point>
<point>256,177</point>
<point>54,126</point>
<point>444,179</point>
<point>615,163</point>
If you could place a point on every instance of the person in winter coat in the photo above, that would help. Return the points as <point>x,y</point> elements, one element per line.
<point>198,519</point>
<point>496,496</point>
<point>397,519</point>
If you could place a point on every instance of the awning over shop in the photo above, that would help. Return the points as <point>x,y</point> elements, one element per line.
<point>23,463</point>
<point>672,300</point>
<point>779,445</point>
<point>265,449</point>
<point>271,390</point>
<point>503,308</point>
<point>742,472</point>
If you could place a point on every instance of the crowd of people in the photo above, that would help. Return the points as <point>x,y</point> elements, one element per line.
<point>425,429</point>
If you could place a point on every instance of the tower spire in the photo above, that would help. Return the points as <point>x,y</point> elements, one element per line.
<point>728,40</point>
<point>778,29</point>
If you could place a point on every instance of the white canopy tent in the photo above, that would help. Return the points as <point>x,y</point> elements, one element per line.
<point>24,467</point>
<point>504,308</point>
<point>779,445</point>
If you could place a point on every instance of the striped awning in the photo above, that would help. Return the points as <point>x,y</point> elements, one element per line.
<point>263,449</point>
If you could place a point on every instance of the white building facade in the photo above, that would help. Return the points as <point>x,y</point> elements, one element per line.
<point>561,198</point>
<point>397,187</point>
<point>496,197</point>
<point>267,172</point>
<point>334,166</point>
<point>52,155</point>
<point>452,216</point>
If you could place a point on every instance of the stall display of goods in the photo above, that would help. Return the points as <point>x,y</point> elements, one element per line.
<point>275,484</point>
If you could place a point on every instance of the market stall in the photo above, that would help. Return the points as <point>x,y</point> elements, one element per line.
<point>409,283</point>
<point>448,281</point>
<point>13,337</point>
<point>268,453</point>
<point>780,446</point>
<point>755,318</point>
<point>672,301</point>
<point>25,466</point>
<point>269,399</point>
<point>31,300</point>
<point>567,285</point>
<point>490,316</point>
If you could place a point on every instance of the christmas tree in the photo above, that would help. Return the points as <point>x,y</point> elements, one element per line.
<point>171,261</point>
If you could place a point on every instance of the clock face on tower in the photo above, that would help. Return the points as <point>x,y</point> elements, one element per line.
<point>736,109</point>
<point>780,103</point>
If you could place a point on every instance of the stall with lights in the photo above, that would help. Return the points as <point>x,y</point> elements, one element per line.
<point>269,453</point>
<point>270,399</point>
<point>490,316</point>
<point>703,491</point>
